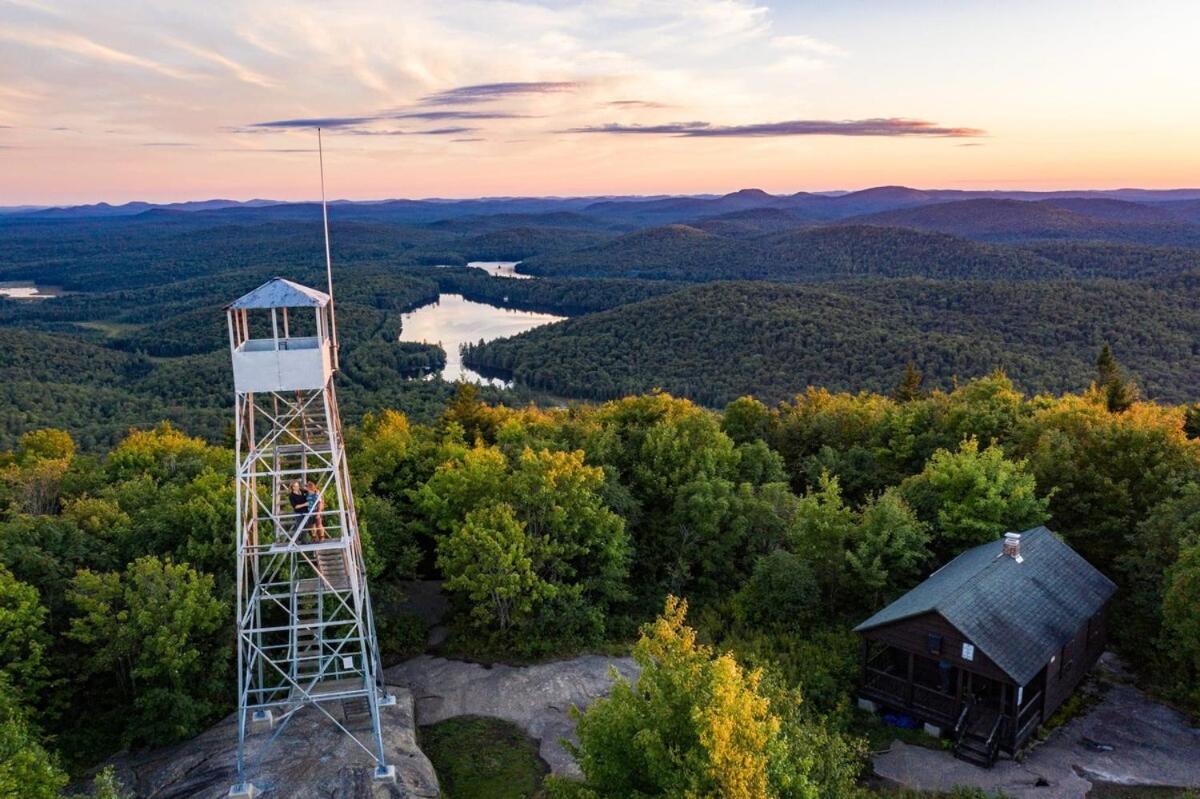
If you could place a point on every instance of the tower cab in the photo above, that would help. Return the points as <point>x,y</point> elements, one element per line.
<point>281,351</point>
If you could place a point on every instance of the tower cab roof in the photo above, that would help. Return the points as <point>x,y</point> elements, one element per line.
<point>281,293</point>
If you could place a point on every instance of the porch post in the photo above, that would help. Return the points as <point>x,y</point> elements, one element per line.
<point>909,689</point>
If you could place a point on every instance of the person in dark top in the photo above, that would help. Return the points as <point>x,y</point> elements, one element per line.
<point>299,502</point>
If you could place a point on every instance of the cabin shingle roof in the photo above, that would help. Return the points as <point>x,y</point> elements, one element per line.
<point>1018,614</point>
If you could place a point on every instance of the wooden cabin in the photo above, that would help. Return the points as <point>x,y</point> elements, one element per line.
<point>990,645</point>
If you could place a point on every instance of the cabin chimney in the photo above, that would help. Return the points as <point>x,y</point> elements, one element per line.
<point>1012,546</point>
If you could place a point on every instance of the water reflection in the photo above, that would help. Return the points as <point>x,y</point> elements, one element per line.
<point>28,291</point>
<point>496,268</point>
<point>452,321</point>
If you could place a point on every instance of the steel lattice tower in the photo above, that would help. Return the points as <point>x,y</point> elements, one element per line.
<point>306,636</point>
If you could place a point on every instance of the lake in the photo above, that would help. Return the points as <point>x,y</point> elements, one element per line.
<point>497,268</point>
<point>453,320</point>
<point>28,291</point>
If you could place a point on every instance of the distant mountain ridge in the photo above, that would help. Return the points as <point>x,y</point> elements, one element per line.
<point>657,209</point>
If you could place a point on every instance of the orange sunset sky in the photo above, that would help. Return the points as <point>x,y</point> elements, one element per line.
<point>128,100</point>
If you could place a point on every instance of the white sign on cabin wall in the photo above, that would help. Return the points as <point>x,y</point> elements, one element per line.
<point>968,651</point>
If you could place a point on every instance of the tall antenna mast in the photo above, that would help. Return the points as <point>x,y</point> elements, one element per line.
<point>328,258</point>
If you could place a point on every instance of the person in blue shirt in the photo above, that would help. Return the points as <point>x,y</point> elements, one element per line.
<point>316,507</point>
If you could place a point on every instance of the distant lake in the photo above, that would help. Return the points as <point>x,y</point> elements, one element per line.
<point>452,321</point>
<point>497,268</point>
<point>26,291</point>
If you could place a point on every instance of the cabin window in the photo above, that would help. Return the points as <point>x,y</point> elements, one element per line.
<point>933,644</point>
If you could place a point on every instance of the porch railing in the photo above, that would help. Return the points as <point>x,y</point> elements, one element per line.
<point>898,691</point>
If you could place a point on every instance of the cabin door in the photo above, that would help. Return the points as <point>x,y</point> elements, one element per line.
<point>984,692</point>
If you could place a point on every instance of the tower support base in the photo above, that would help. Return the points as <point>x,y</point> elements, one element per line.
<point>385,774</point>
<point>243,790</point>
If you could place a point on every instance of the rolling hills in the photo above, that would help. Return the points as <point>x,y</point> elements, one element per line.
<point>717,341</point>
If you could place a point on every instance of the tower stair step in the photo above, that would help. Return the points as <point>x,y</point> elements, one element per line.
<point>356,709</point>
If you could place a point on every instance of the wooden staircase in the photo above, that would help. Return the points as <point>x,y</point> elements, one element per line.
<point>978,740</point>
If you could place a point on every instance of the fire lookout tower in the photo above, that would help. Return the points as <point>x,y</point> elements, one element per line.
<point>306,636</point>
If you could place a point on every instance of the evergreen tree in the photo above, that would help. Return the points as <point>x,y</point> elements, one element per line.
<point>1118,391</point>
<point>910,385</point>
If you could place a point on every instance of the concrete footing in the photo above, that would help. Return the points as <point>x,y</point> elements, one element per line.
<point>386,700</point>
<point>867,705</point>
<point>933,729</point>
<point>385,774</point>
<point>243,790</point>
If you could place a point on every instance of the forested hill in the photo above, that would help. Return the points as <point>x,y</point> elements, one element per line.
<point>682,252</point>
<point>1017,220</point>
<point>718,341</point>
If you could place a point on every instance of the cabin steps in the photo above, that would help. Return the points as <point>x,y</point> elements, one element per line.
<point>974,750</point>
<point>978,742</point>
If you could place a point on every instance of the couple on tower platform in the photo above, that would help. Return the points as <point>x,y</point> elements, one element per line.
<point>308,503</point>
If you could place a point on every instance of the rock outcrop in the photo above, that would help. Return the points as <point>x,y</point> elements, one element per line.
<point>310,759</point>
<point>535,698</point>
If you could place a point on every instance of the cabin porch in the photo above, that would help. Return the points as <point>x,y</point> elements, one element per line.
<point>983,715</point>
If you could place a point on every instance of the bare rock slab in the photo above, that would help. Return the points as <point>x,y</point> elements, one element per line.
<point>535,698</point>
<point>310,759</point>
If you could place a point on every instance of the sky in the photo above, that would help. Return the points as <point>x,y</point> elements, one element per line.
<point>167,101</point>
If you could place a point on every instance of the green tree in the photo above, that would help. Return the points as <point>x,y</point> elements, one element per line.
<point>23,639</point>
<point>107,786</point>
<point>1181,598</point>
<point>697,724</point>
<point>489,558</point>
<point>1115,388</point>
<point>971,496</point>
<point>27,770</point>
<point>988,408</point>
<point>889,550</point>
<point>32,482</point>
<point>156,631</point>
<point>166,455</point>
<point>1104,472</point>
<point>578,547</point>
<point>1191,421</point>
<point>823,528</point>
<point>781,594</point>
<point>909,388</point>
<point>1170,527</point>
<point>745,420</point>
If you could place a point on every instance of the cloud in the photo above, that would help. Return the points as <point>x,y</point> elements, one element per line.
<point>635,104</point>
<point>436,115</point>
<point>242,73</point>
<point>448,131</point>
<point>484,92</point>
<point>797,127</point>
<point>806,44</point>
<point>334,122</point>
<point>167,144</point>
<point>315,122</point>
<point>473,138</point>
<point>74,44</point>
